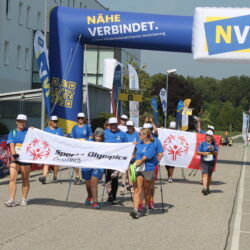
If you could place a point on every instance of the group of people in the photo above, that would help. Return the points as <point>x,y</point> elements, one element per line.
<point>145,160</point>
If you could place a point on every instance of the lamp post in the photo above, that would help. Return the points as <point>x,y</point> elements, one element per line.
<point>170,71</point>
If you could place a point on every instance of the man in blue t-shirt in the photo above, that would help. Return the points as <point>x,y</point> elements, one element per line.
<point>80,131</point>
<point>52,129</point>
<point>114,135</point>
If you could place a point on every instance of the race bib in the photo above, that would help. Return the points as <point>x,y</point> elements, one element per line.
<point>208,157</point>
<point>18,148</point>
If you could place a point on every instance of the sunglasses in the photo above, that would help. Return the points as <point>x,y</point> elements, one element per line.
<point>55,121</point>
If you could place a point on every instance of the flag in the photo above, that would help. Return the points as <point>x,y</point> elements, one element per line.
<point>245,127</point>
<point>179,110</point>
<point>180,147</point>
<point>133,106</point>
<point>43,67</point>
<point>154,106</point>
<point>184,121</point>
<point>163,97</point>
<point>117,83</point>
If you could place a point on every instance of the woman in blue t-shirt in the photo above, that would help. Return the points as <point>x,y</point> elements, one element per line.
<point>80,131</point>
<point>145,154</point>
<point>208,151</point>
<point>15,140</point>
<point>52,129</point>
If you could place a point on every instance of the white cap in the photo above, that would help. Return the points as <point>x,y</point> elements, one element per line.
<point>172,124</point>
<point>147,125</point>
<point>54,118</point>
<point>210,127</point>
<point>21,117</point>
<point>113,120</point>
<point>80,115</point>
<point>209,132</point>
<point>129,123</point>
<point>124,117</point>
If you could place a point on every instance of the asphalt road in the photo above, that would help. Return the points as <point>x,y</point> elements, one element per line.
<point>191,221</point>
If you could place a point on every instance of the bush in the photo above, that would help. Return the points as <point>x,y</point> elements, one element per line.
<point>99,121</point>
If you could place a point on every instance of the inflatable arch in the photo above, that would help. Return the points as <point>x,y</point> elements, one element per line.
<point>71,28</point>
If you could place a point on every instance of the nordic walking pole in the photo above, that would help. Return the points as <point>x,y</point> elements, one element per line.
<point>104,186</point>
<point>161,190</point>
<point>70,183</point>
<point>183,174</point>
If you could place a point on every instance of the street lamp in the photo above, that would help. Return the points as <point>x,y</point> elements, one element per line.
<point>170,71</point>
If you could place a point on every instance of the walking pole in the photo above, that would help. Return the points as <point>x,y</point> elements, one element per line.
<point>183,174</point>
<point>104,187</point>
<point>161,190</point>
<point>131,196</point>
<point>70,182</point>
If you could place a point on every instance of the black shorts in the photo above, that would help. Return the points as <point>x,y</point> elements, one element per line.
<point>21,163</point>
<point>207,167</point>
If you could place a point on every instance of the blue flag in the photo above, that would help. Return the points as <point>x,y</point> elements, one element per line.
<point>179,110</point>
<point>154,106</point>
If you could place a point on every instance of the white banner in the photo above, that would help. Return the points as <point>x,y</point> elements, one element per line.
<point>245,127</point>
<point>45,148</point>
<point>133,106</point>
<point>179,147</point>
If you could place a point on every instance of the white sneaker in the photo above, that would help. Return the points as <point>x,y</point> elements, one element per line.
<point>10,203</point>
<point>170,180</point>
<point>24,203</point>
<point>122,191</point>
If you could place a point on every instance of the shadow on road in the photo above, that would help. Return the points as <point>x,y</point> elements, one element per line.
<point>187,181</point>
<point>232,162</point>
<point>106,206</point>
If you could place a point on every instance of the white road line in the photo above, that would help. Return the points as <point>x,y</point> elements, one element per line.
<point>237,222</point>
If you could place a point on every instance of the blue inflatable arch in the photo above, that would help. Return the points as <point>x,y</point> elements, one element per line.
<point>71,28</point>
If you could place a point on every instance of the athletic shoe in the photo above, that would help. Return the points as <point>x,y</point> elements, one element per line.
<point>146,211</point>
<point>122,191</point>
<point>88,201</point>
<point>96,206</point>
<point>81,181</point>
<point>140,208</point>
<point>135,214</point>
<point>24,203</point>
<point>208,191</point>
<point>115,202</point>
<point>204,191</point>
<point>151,205</point>
<point>42,179</point>
<point>170,180</point>
<point>10,203</point>
<point>55,179</point>
<point>77,179</point>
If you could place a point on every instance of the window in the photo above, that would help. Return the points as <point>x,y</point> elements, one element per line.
<point>8,8</point>
<point>28,23</point>
<point>19,57</point>
<point>6,52</point>
<point>20,13</point>
<point>38,20</point>
<point>27,59</point>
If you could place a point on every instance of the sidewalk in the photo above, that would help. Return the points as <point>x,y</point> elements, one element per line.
<point>192,221</point>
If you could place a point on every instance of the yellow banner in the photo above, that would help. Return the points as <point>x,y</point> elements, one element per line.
<point>130,95</point>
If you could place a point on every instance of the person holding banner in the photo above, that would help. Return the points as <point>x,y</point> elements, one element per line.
<point>53,129</point>
<point>15,140</point>
<point>145,154</point>
<point>80,131</point>
<point>91,176</point>
<point>114,135</point>
<point>208,151</point>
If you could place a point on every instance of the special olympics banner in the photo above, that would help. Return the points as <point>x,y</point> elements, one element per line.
<point>45,148</point>
<point>180,147</point>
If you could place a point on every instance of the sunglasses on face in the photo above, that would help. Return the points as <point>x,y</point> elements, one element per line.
<point>55,121</point>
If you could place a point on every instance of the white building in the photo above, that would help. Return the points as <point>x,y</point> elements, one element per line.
<point>19,20</point>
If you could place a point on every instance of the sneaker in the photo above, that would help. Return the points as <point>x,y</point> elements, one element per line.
<point>146,211</point>
<point>55,179</point>
<point>88,201</point>
<point>170,180</point>
<point>77,179</point>
<point>81,181</point>
<point>10,203</point>
<point>24,203</point>
<point>208,191</point>
<point>151,205</point>
<point>42,179</point>
<point>135,214</point>
<point>140,208</point>
<point>123,191</point>
<point>115,202</point>
<point>204,191</point>
<point>96,205</point>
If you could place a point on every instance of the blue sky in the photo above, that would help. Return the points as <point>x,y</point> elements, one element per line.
<point>159,62</point>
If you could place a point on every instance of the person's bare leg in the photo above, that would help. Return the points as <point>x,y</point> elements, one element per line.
<point>87,183</point>
<point>26,182</point>
<point>56,168</point>
<point>45,170</point>
<point>77,172</point>
<point>94,188</point>
<point>171,172</point>
<point>205,180</point>
<point>209,179</point>
<point>137,191</point>
<point>147,191</point>
<point>14,168</point>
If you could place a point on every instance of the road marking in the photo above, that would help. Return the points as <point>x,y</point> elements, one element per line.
<point>237,222</point>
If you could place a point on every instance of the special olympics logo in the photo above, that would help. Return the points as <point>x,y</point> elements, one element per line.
<point>176,146</point>
<point>38,149</point>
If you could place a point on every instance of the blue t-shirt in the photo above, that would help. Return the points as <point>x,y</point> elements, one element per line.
<point>202,131</point>
<point>84,132</point>
<point>57,131</point>
<point>115,137</point>
<point>15,136</point>
<point>133,137</point>
<point>149,151</point>
<point>203,147</point>
<point>158,148</point>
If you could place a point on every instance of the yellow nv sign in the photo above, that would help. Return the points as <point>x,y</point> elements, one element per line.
<point>130,95</point>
